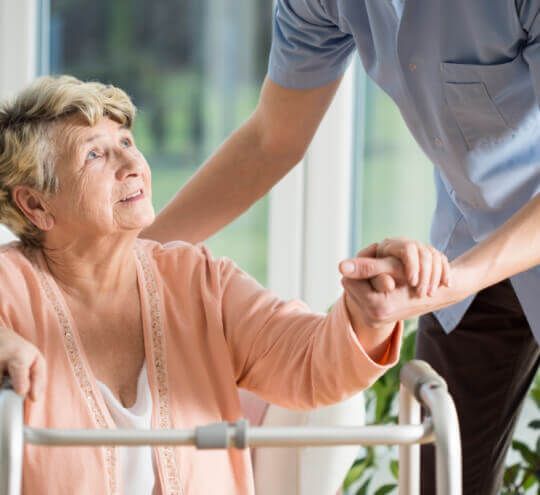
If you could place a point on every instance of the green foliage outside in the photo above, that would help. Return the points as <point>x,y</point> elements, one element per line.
<point>520,478</point>
<point>193,68</point>
<point>245,240</point>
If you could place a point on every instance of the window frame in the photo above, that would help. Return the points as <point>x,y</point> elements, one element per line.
<point>311,209</point>
<point>18,54</point>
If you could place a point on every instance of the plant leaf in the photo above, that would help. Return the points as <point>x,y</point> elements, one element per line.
<point>511,473</point>
<point>394,468</point>
<point>527,454</point>
<point>383,490</point>
<point>364,488</point>
<point>355,473</point>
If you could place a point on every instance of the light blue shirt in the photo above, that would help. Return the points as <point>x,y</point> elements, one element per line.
<point>466,77</point>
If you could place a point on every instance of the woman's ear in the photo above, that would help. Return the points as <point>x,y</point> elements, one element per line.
<point>32,203</point>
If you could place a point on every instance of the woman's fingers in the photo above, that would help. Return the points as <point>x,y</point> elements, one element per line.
<point>383,283</point>
<point>38,373</point>
<point>366,268</point>
<point>23,363</point>
<point>407,252</point>
<point>19,372</point>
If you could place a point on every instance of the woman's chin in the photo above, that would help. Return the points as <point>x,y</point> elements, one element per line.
<point>135,225</point>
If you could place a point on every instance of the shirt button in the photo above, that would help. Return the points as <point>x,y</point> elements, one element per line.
<point>438,142</point>
<point>412,67</point>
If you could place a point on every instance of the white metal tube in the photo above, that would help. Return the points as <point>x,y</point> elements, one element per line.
<point>409,455</point>
<point>418,381</point>
<point>11,442</point>
<point>256,436</point>
<point>447,438</point>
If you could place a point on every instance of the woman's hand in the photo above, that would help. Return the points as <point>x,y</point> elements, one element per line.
<point>24,364</point>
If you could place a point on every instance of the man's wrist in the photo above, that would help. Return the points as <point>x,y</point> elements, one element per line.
<point>466,278</point>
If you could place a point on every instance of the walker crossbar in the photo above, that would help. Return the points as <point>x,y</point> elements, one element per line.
<point>419,385</point>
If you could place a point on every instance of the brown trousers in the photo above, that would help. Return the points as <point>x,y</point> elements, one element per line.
<point>489,362</point>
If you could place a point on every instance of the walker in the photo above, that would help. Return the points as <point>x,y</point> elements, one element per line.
<point>420,386</point>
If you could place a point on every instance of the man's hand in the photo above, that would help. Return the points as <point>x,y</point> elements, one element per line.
<point>378,291</point>
<point>423,267</point>
<point>24,364</point>
<point>381,291</point>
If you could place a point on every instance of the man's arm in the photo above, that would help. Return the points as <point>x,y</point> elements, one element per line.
<point>511,249</point>
<point>245,167</point>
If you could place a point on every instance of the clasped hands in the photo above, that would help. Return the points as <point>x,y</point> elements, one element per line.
<point>395,280</point>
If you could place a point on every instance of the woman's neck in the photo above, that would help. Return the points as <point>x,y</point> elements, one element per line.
<point>93,270</point>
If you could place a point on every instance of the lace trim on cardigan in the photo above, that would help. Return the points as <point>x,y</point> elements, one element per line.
<point>172,477</point>
<point>80,373</point>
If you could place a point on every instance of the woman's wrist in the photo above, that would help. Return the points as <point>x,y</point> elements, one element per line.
<point>373,339</point>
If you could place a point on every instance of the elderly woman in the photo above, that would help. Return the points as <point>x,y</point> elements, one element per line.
<point>135,333</point>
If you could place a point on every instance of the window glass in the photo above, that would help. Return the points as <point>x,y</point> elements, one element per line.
<point>193,68</point>
<point>395,195</point>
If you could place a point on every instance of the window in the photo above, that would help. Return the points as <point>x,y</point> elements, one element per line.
<point>193,68</point>
<point>394,192</point>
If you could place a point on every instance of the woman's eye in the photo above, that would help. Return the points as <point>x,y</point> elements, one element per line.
<point>126,142</point>
<point>92,155</point>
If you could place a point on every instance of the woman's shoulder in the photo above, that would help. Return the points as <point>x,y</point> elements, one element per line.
<point>15,257</point>
<point>172,251</point>
<point>20,287</point>
<point>179,257</point>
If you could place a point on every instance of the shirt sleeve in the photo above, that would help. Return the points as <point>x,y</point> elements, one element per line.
<point>308,47</point>
<point>529,14</point>
<point>289,355</point>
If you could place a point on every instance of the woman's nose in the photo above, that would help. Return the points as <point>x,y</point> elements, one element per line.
<point>128,165</point>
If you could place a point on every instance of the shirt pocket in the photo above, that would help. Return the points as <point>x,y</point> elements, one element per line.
<point>487,101</point>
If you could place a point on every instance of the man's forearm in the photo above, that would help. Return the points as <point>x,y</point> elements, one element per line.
<point>236,176</point>
<point>511,249</point>
<point>247,165</point>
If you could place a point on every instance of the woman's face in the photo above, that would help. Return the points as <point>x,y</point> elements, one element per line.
<point>104,181</point>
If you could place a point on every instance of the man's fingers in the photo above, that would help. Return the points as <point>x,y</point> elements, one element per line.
<point>38,375</point>
<point>436,272</point>
<point>446,271</point>
<point>18,370</point>
<point>365,268</point>
<point>426,260</point>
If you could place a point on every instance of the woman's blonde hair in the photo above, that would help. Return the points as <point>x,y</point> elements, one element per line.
<point>27,151</point>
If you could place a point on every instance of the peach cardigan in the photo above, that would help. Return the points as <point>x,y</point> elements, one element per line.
<point>208,328</point>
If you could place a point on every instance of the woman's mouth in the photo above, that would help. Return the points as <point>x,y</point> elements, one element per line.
<point>135,196</point>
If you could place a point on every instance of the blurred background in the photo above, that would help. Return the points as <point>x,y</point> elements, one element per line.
<point>194,69</point>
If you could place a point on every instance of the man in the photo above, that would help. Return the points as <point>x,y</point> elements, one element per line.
<point>466,77</point>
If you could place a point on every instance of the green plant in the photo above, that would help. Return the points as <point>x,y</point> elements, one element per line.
<point>522,476</point>
<point>381,403</point>
<point>381,406</point>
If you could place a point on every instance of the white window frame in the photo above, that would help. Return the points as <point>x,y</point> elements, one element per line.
<point>311,210</point>
<point>18,53</point>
